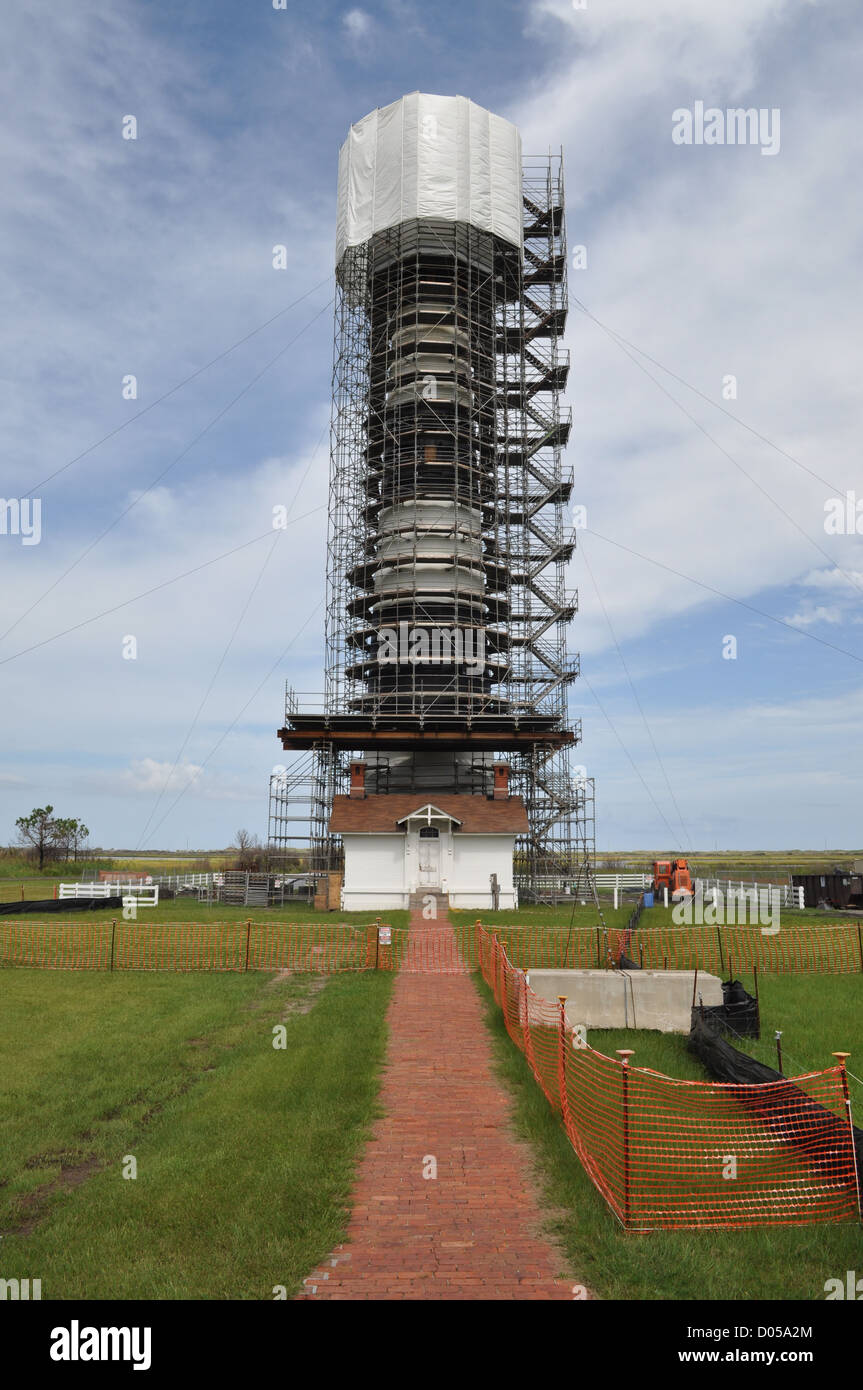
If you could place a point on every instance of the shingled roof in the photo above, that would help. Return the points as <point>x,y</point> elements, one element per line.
<point>381,815</point>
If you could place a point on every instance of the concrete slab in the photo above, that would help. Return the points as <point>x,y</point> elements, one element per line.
<point>658,999</point>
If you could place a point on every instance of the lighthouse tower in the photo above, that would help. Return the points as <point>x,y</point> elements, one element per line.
<point>439,759</point>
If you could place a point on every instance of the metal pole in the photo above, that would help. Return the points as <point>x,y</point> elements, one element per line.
<point>624,1053</point>
<point>719,943</point>
<point>860,943</point>
<point>377,940</point>
<point>842,1058</point>
<point>779,1049</point>
<point>248,939</point>
<point>561,1057</point>
<point>694,985</point>
<point>525,1016</point>
<point>113,930</point>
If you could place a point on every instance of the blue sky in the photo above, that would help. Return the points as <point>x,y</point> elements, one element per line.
<point>151,257</point>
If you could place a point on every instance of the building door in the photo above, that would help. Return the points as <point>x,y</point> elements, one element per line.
<point>429,858</point>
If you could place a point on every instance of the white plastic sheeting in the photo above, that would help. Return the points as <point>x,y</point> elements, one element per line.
<point>429,156</point>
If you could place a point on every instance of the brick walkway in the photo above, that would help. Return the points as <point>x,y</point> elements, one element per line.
<point>471,1232</point>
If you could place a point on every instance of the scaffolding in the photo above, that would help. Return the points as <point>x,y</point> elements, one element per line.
<point>448,518</point>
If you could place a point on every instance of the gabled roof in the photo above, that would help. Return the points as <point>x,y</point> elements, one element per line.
<point>427,813</point>
<point>385,815</point>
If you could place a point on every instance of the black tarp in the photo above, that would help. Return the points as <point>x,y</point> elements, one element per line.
<point>737,1014</point>
<point>60,905</point>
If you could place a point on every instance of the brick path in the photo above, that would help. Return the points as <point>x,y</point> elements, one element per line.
<point>471,1232</point>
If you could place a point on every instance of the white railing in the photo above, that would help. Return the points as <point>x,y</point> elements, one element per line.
<point>135,891</point>
<point>609,882</point>
<point>734,889</point>
<point>139,897</point>
<point>187,880</point>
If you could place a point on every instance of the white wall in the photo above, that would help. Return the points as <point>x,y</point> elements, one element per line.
<point>374,872</point>
<point>381,870</point>
<point>475,859</point>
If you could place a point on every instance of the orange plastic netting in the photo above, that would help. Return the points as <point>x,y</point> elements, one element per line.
<point>324,948</point>
<point>123,945</point>
<point>669,1154</point>
<point>798,947</point>
<point>435,948</point>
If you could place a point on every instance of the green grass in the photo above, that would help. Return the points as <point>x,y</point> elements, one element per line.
<point>756,1264</point>
<point>560,918</point>
<point>245,1153</point>
<point>190,910</point>
<point>817,1014</point>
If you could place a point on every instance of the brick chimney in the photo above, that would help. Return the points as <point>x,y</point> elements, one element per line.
<point>358,780</point>
<point>501,782</point>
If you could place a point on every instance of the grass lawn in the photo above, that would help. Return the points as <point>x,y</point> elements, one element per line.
<point>560,918</point>
<point>245,1153</point>
<point>757,1264</point>
<point>190,910</point>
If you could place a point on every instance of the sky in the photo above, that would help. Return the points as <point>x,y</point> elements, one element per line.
<point>714,327</point>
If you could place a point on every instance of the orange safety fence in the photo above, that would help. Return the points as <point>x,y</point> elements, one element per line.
<point>123,945</point>
<point>323,948</point>
<point>796,948</point>
<point>669,1154</point>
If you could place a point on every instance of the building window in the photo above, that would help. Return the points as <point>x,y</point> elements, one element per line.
<point>429,833</point>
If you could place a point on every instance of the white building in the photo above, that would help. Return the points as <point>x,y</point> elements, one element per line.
<point>415,842</point>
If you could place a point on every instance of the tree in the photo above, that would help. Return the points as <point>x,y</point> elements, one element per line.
<point>36,831</point>
<point>248,849</point>
<point>69,835</point>
<point>46,834</point>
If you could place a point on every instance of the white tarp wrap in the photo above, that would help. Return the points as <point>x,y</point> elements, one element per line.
<point>429,156</point>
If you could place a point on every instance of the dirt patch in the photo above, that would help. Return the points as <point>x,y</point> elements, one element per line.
<point>296,1007</point>
<point>31,1207</point>
<point>278,978</point>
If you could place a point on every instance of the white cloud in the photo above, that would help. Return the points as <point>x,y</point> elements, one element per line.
<point>357,24</point>
<point>696,256</point>
<point>819,614</point>
<point>150,775</point>
<point>833,579</point>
